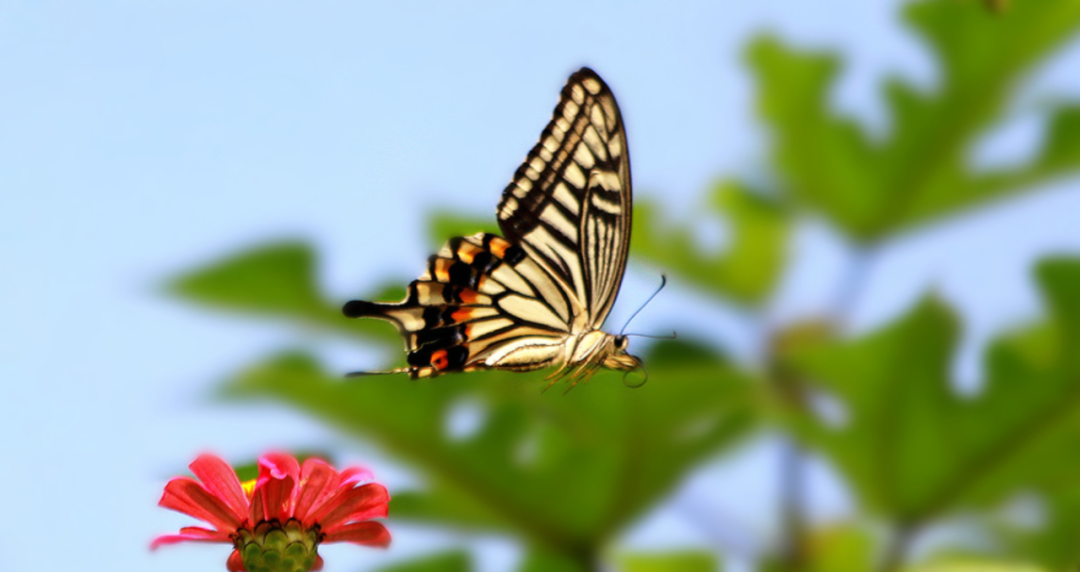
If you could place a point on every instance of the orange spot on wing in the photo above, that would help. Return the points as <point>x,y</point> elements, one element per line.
<point>442,273</point>
<point>467,252</point>
<point>468,296</point>
<point>499,246</point>
<point>461,315</point>
<point>439,360</point>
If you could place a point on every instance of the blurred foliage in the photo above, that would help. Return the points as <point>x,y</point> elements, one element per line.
<point>746,270</point>
<point>830,548</point>
<point>277,280</point>
<point>871,187</point>
<point>453,561</point>
<point>912,448</point>
<point>669,562</point>
<point>566,474</point>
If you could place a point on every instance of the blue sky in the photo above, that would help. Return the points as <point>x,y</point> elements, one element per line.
<point>141,139</point>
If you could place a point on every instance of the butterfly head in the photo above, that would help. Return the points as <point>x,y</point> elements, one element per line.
<point>618,358</point>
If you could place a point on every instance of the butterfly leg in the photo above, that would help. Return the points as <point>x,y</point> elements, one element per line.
<point>560,372</point>
<point>582,374</point>
<point>553,381</point>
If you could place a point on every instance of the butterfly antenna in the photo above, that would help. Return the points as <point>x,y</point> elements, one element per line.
<point>663,282</point>
<point>673,336</point>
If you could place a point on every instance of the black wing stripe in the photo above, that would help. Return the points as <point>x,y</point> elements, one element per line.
<point>569,204</point>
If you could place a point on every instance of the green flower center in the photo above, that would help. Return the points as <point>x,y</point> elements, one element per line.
<point>273,547</point>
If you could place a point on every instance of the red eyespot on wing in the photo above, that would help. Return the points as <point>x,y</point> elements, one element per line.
<point>439,360</point>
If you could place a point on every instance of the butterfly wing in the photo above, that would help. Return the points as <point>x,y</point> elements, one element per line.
<point>569,204</point>
<point>481,304</point>
<point>490,303</point>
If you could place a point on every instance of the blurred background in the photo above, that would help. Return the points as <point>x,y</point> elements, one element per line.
<point>866,210</point>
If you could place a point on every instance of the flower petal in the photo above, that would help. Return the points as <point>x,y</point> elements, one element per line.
<point>368,501</point>
<point>317,479</point>
<point>280,465</point>
<point>236,562</point>
<point>190,497</point>
<point>365,533</point>
<point>355,475</point>
<point>278,475</point>
<point>221,480</point>
<point>191,534</point>
<point>277,498</point>
<point>318,564</point>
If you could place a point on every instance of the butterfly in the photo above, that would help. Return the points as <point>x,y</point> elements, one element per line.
<point>537,296</point>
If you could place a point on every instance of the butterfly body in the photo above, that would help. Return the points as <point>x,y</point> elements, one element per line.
<point>537,296</point>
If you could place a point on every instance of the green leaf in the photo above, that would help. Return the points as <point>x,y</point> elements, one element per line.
<point>452,561</point>
<point>544,560</point>
<point>872,187</point>
<point>913,449</point>
<point>688,561</point>
<point>1052,542</point>
<point>840,547</point>
<point>973,565</point>
<point>561,471</point>
<point>278,280</point>
<point>435,505</point>
<point>746,270</point>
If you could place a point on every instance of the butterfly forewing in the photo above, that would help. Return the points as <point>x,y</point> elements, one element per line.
<point>569,204</point>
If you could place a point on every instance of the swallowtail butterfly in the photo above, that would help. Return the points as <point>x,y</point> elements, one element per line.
<point>537,296</point>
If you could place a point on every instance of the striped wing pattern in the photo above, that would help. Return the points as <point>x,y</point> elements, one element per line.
<point>482,303</point>
<point>569,204</point>
<point>486,302</point>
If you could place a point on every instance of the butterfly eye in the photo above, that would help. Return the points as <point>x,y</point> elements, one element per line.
<point>620,342</point>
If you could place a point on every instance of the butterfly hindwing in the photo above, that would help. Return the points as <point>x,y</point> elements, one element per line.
<point>480,297</point>
<point>569,204</point>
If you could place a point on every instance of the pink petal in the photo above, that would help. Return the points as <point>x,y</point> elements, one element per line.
<point>316,478</point>
<point>258,511</point>
<point>278,475</point>
<point>191,497</point>
<point>191,534</point>
<point>220,479</point>
<point>340,508</point>
<point>276,498</point>
<point>355,475</point>
<point>365,533</point>
<point>236,562</point>
<point>279,465</point>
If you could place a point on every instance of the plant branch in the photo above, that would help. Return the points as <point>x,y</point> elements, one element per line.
<point>793,393</point>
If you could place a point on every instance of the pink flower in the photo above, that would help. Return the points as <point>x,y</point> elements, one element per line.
<point>280,518</point>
